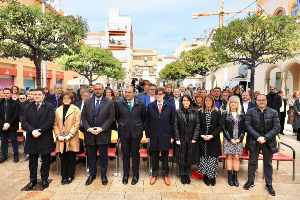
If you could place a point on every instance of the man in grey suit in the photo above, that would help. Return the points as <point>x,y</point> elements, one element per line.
<point>97,116</point>
<point>130,114</point>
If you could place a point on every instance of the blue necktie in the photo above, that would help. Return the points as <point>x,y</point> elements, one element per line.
<point>96,112</point>
<point>130,106</point>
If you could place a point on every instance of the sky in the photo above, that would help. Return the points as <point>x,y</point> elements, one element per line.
<point>160,24</point>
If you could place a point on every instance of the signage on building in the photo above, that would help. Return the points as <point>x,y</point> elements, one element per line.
<point>59,76</point>
<point>9,72</point>
<point>29,73</point>
<point>295,9</point>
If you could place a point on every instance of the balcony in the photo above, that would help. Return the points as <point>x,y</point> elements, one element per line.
<point>113,42</point>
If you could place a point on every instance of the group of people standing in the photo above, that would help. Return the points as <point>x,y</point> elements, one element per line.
<point>187,120</point>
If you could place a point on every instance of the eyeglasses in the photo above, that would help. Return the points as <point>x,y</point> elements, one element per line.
<point>98,89</point>
<point>22,98</point>
<point>160,94</point>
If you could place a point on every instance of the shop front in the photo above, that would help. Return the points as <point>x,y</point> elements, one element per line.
<point>7,77</point>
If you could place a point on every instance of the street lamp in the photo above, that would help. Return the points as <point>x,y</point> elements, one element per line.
<point>146,58</point>
<point>136,68</point>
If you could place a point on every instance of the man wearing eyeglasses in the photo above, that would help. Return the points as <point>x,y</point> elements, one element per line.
<point>97,116</point>
<point>70,90</point>
<point>159,133</point>
<point>262,126</point>
<point>150,97</point>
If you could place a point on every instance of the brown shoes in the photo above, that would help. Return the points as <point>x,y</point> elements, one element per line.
<point>167,180</point>
<point>153,180</point>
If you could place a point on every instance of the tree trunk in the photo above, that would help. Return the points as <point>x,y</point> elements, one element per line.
<point>91,79</point>
<point>252,82</point>
<point>37,64</point>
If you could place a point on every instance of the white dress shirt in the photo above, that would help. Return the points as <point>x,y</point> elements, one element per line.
<point>245,106</point>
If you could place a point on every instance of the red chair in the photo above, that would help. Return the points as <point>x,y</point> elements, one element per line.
<point>83,155</point>
<point>20,137</point>
<point>113,152</point>
<point>281,157</point>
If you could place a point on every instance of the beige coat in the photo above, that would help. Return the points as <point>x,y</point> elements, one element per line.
<point>72,124</point>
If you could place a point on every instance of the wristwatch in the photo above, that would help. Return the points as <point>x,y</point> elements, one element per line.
<point>265,139</point>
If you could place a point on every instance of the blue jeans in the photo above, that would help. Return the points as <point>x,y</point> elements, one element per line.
<point>4,143</point>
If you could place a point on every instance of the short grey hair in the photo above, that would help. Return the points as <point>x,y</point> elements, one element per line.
<point>57,85</point>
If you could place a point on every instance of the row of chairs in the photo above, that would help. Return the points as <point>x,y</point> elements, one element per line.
<point>144,153</point>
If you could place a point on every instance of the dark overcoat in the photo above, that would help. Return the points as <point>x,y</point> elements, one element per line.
<point>159,127</point>
<point>296,107</point>
<point>12,115</point>
<point>44,120</point>
<point>187,153</point>
<point>214,144</point>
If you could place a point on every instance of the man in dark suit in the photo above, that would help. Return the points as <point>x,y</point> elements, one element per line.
<point>55,99</point>
<point>38,120</point>
<point>9,124</point>
<point>246,104</point>
<point>30,95</point>
<point>274,101</point>
<point>97,116</point>
<point>282,111</point>
<point>159,132</point>
<point>130,114</point>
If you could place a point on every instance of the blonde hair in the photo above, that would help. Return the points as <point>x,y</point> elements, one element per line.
<point>187,92</point>
<point>236,99</point>
<point>213,106</point>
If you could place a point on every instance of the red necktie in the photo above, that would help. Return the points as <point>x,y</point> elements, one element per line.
<point>37,107</point>
<point>159,109</point>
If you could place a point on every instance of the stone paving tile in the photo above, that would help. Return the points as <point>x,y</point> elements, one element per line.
<point>36,195</point>
<point>252,196</point>
<point>106,195</point>
<point>215,196</point>
<point>178,195</point>
<point>287,189</point>
<point>285,197</point>
<point>118,186</point>
<point>21,175</point>
<point>7,183</point>
<point>142,196</point>
<point>66,195</point>
<point>8,195</point>
<point>17,186</point>
<point>5,174</point>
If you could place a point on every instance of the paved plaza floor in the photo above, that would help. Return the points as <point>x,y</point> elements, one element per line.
<point>14,177</point>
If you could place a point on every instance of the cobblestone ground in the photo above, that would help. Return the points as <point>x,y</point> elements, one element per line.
<point>13,177</point>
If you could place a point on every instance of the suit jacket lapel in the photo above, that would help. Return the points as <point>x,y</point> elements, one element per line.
<point>92,105</point>
<point>155,105</point>
<point>41,110</point>
<point>102,103</point>
<point>70,110</point>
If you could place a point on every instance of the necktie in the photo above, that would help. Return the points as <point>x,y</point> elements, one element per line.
<point>96,112</point>
<point>57,101</point>
<point>130,106</point>
<point>37,107</point>
<point>159,108</point>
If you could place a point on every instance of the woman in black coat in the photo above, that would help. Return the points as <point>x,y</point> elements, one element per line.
<point>234,132</point>
<point>186,132</point>
<point>297,118</point>
<point>210,145</point>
